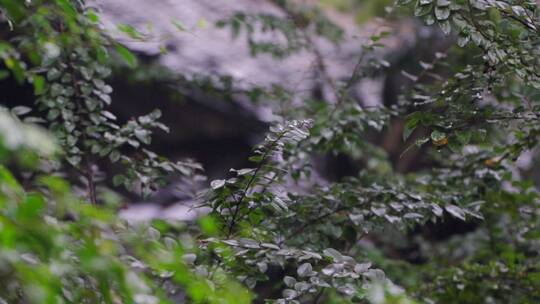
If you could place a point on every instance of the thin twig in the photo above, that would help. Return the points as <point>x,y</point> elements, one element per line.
<point>251,181</point>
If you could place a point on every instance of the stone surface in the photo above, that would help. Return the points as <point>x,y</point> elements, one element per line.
<point>209,50</point>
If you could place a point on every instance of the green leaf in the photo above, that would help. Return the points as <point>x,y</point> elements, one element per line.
<point>463,40</point>
<point>443,3</point>
<point>334,254</point>
<point>67,7</point>
<point>403,2</point>
<point>412,122</point>
<point>437,135</point>
<point>92,16</point>
<point>118,180</point>
<point>16,68</point>
<point>21,110</point>
<point>209,225</point>
<point>216,184</point>
<point>7,178</point>
<point>445,27</point>
<point>33,206</point>
<point>39,84</point>
<point>114,156</point>
<point>442,13</point>
<point>127,55</point>
<point>456,211</point>
<point>464,136</point>
<point>422,10</point>
<point>421,141</point>
<point>305,270</point>
<point>130,31</point>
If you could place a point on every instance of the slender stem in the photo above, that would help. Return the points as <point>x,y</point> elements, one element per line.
<point>88,172</point>
<point>270,182</point>
<point>521,21</point>
<point>318,219</point>
<point>250,183</point>
<point>91,183</point>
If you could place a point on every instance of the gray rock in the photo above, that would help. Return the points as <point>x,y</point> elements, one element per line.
<point>212,51</point>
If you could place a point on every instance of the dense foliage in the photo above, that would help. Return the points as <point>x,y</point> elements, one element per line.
<point>275,231</point>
